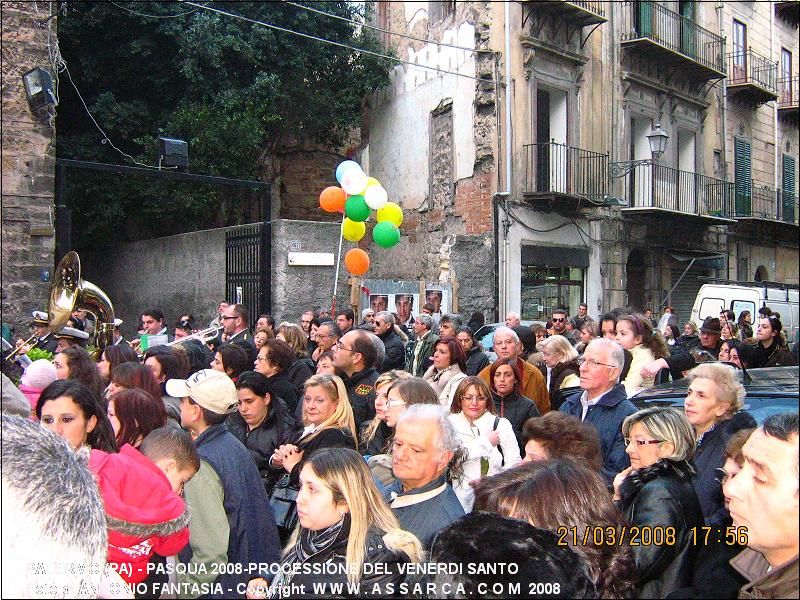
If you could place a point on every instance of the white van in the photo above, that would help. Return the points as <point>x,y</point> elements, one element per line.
<point>738,296</point>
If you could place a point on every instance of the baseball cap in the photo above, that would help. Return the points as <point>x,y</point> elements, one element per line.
<point>213,390</point>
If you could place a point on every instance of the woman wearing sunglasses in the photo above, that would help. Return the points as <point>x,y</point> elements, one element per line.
<point>657,497</point>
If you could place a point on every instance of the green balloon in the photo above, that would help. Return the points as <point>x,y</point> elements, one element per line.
<point>356,208</point>
<point>386,234</point>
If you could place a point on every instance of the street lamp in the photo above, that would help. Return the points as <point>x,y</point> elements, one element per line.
<point>658,144</point>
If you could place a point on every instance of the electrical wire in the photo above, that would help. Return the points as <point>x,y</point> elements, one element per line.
<point>339,44</point>
<point>153,16</point>
<point>375,28</point>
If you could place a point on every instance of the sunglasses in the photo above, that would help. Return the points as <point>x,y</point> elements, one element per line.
<point>558,320</point>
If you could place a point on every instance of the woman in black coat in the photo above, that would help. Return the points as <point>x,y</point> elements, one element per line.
<point>344,523</point>
<point>506,384</point>
<point>263,422</point>
<point>656,495</point>
<point>477,359</point>
<point>273,361</point>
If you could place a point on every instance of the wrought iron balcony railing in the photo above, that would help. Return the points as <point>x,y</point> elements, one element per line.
<point>672,31</point>
<point>788,92</point>
<point>756,201</point>
<point>556,168</point>
<point>749,67</point>
<point>659,187</point>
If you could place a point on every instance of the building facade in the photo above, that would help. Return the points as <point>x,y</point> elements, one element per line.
<point>520,130</point>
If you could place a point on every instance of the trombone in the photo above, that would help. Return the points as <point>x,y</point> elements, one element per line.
<point>19,348</point>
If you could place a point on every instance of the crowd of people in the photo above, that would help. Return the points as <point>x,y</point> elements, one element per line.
<point>349,455</point>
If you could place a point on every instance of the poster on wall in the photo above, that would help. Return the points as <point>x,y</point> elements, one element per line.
<point>439,297</point>
<point>405,298</point>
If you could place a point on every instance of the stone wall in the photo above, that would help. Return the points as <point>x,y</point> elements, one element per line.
<point>28,170</point>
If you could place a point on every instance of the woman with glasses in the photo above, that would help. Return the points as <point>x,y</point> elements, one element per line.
<point>477,359</point>
<point>771,348</point>
<point>656,495</point>
<point>713,404</point>
<point>489,439</point>
<point>507,396</point>
<point>560,368</point>
<point>448,369</point>
<point>273,361</point>
<point>375,436</point>
<point>635,334</point>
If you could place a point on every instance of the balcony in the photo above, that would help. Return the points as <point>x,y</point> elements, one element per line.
<point>765,212</point>
<point>788,96</point>
<point>789,11</point>
<point>672,41</point>
<point>752,77</point>
<point>578,12</point>
<point>659,190</point>
<point>565,177</point>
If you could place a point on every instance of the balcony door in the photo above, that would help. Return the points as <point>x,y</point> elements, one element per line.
<point>641,181</point>
<point>786,77</point>
<point>551,140</point>
<point>742,176</point>
<point>685,197</point>
<point>688,28</point>
<point>739,74</point>
<point>789,178</point>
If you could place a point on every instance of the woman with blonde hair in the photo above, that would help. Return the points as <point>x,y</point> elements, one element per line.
<point>344,522</point>
<point>561,370</point>
<point>713,406</point>
<point>329,423</point>
<point>375,436</point>
<point>655,494</point>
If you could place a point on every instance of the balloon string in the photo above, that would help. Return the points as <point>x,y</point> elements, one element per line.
<point>336,275</point>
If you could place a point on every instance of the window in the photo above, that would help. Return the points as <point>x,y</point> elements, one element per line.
<point>438,10</point>
<point>739,74</point>
<point>742,168</point>
<point>786,77</point>
<point>545,289</point>
<point>789,181</point>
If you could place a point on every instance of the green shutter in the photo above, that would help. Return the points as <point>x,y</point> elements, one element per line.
<point>789,181</point>
<point>644,18</point>
<point>688,29</point>
<point>742,173</point>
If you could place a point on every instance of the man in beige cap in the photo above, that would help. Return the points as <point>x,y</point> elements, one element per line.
<point>232,521</point>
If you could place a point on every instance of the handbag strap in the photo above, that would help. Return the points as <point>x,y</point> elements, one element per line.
<point>499,448</point>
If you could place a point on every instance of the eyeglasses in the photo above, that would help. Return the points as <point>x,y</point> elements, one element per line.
<point>395,402</point>
<point>722,476</point>
<point>471,399</point>
<point>642,442</point>
<point>340,346</point>
<point>558,320</point>
<point>594,364</point>
<point>224,318</point>
<point>262,358</point>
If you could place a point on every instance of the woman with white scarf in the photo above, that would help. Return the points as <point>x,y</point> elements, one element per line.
<point>448,370</point>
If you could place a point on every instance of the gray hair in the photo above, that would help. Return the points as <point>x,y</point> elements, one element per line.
<point>386,316</point>
<point>53,515</point>
<point>380,350</point>
<point>666,424</point>
<point>508,331</point>
<point>455,319</point>
<point>728,388</point>
<point>560,346</point>
<point>426,320</point>
<point>615,352</point>
<point>448,440</point>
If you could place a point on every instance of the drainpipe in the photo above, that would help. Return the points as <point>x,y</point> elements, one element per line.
<point>509,141</point>
<point>774,105</point>
<point>720,7</point>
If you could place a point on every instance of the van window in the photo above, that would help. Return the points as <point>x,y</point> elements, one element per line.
<point>737,306</point>
<point>711,307</point>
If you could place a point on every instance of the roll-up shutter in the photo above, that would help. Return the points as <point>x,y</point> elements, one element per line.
<point>683,295</point>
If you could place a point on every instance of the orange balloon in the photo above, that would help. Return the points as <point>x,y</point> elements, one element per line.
<point>332,199</point>
<point>356,261</point>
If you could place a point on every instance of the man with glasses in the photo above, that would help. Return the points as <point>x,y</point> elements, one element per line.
<point>354,354</point>
<point>236,324</point>
<point>394,349</point>
<point>328,333</point>
<point>559,320</point>
<point>603,402</point>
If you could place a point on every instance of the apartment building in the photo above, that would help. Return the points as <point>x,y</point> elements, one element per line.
<point>608,152</point>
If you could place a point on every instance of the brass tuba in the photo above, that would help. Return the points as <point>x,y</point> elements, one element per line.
<point>69,292</point>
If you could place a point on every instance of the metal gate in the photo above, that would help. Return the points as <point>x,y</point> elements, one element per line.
<point>248,267</point>
<point>684,294</point>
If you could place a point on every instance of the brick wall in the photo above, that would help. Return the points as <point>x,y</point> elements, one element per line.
<point>474,202</point>
<point>303,175</point>
<point>28,170</point>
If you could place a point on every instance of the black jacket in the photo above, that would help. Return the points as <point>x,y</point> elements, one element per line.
<point>774,356</point>
<point>557,376</point>
<point>658,497</point>
<point>378,444</point>
<point>517,409</point>
<point>710,456</point>
<point>477,361</point>
<point>332,437</point>
<point>382,574</point>
<point>298,374</point>
<point>395,355</point>
<point>683,359</point>
<point>285,390</point>
<point>361,392</point>
<point>262,441</point>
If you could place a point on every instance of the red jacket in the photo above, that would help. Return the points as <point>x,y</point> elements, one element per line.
<point>144,515</point>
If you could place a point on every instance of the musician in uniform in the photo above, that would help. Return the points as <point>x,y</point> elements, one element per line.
<point>69,336</point>
<point>45,340</point>
<point>118,339</point>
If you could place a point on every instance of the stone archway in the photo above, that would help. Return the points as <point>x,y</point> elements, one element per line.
<point>761,274</point>
<point>636,270</point>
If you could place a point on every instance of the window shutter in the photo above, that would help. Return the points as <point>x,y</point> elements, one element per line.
<point>789,182</point>
<point>742,173</point>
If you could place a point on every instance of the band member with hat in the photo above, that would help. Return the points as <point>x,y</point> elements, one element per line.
<point>45,340</point>
<point>69,336</point>
<point>118,339</point>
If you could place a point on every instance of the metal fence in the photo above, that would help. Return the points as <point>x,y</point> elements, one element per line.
<point>595,6</point>
<point>551,167</point>
<point>651,20</point>
<point>788,92</point>
<point>248,268</point>
<point>657,186</point>
<point>750,67</point>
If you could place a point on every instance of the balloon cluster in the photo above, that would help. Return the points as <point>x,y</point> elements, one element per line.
<point>356,198</point>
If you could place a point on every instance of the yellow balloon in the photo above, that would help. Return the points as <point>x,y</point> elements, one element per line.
<point>390,212</point>
<point>372,181</point>
<point>353,231</point>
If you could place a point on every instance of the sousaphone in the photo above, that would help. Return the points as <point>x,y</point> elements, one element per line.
<point>69,292</point>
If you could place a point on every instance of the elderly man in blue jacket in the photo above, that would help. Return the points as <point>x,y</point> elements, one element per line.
<point>603,402</point>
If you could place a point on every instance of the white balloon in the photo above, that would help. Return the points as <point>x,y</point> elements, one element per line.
<point>376,196</point>
<point>354,181</point>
